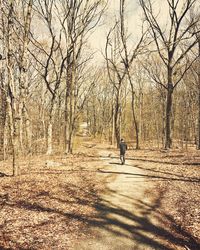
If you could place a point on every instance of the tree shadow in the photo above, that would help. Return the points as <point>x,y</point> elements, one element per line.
<point>115,163</point>
<point>164,162</point>
<point>158,171</point>
<point>4,175</point>
<point>163,178</point>
<point>157,161</point>
<point>169,231</point>
<point>119,220</point>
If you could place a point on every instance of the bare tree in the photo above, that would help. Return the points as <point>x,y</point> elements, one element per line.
<point>169,41</point>
<point>127,59</point>
<point>116,73</point>
<point>8,40</point>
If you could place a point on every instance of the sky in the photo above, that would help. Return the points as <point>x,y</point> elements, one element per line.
<point>133,19</point>
<point>133,16</point>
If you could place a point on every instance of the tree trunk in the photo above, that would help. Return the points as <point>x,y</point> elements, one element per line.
<point>140,115</point>
<point>66,126</point>
<point>49,138</point>
<point>198,124</point>
<point>13,132</point>
<point>116,120</point>
<point>21,125</point>
<point>163,121</point>
<point>72,105</point>
<point>168,117</point>
<point>23,79</point>
<point>113,116</point>
<point>3,119</point>
<point>28,132</point>
<point>135,124</point>
<point>113,127</point>
<point>50,129</point>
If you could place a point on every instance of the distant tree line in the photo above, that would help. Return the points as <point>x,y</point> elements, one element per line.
<point>147,89</point>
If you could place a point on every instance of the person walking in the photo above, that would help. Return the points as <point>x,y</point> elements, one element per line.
<point>122,148</point>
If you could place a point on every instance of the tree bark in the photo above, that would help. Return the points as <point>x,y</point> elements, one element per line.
<point>50,129</point>
<point>13,132</point>
<point>49,138</point>
<point>198,124</point>
<point>168,141</point>
<point>28,132</point>
<point>72,105</point>
<point>140,115</point>
<point>3,118</point>
<point>135,124</point>
<point>198,72</point>
<point>116,119</point>
<point>66,126</point>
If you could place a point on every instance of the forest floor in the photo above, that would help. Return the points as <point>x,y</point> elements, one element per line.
<point>90,201</point>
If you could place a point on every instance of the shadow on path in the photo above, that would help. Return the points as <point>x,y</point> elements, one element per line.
<point>4,175</point>
<point>186,179</point>
<point>113,219</point>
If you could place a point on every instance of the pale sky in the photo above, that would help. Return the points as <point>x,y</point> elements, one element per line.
<point>134,15</point>
<point>133,19</point>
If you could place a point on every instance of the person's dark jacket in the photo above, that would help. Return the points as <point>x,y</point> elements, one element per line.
<point>123,148</point>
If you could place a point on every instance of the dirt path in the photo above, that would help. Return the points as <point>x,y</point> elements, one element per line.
<point>126,210</point>
<point>89,201</point>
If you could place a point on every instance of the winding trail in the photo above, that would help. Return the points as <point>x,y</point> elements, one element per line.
<point>128,216</point>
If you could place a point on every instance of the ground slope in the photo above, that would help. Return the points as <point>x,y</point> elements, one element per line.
<point>134,211</point>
